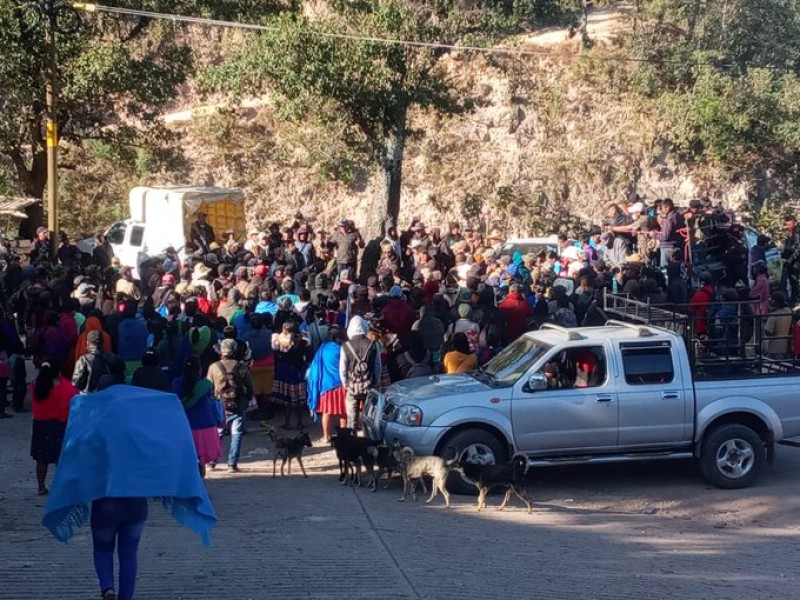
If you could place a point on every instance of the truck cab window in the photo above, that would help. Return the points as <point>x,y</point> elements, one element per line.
<point>137,235</point>
<point>583,367</point>
<point>647,366</point>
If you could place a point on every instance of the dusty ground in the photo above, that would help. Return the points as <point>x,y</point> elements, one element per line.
<point>644,531</point>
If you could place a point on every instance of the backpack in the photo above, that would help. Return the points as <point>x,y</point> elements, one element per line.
<point>360,373</point>
<point>565,317</point>
<point>230,391</point>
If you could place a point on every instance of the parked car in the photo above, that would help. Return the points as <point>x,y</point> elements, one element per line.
<point>532,245</point>
<point>615,393</point>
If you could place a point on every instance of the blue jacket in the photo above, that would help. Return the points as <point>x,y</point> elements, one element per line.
<point>323,374</point>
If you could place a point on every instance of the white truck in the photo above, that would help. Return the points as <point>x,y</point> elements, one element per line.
<point>161,217</point>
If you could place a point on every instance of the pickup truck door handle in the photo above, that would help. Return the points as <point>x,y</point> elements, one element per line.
<point>670,396</point>
<point>604,398</point>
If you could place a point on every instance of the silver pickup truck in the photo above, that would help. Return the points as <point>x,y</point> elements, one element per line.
<point>616,393</point>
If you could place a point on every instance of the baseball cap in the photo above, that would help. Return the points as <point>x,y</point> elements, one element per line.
<point>228,347</point>
<point>396,291</point>
<point>260,271</point>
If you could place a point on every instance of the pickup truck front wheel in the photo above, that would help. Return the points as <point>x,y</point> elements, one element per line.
<point>475,445</point>
<point>732,456</point>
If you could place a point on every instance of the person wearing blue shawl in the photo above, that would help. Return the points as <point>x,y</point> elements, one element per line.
<point>326,394</point>
<point>123,446</point>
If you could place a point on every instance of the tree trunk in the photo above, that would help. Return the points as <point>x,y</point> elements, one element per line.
<point>386,205</point>
<point>33,181</point>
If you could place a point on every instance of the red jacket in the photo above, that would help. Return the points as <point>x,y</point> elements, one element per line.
<point>517,312</point>
<point>698,308</point>
<point>398,316</point>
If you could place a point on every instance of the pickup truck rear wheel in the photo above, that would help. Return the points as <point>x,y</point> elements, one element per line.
<point>732,456</point>
<point>475,445</point>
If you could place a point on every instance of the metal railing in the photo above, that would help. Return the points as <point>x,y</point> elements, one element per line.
<point>728,341</point>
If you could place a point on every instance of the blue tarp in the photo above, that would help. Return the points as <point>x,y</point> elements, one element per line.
<point>127,442</point>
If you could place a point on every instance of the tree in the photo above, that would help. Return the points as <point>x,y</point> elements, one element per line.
<point>115,75</point>
<point>726,77</point>
<point>365,87</point>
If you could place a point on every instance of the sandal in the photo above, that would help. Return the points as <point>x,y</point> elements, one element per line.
<point>109,595</point>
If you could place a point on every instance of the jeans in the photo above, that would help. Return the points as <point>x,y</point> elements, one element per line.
<point>235,423</point>
<point>120,521</point>
<point>351,404</point>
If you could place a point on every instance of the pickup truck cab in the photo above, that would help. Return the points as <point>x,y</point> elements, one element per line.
<point>615,393</point>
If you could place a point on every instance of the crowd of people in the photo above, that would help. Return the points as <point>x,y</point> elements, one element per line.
<point>303,323</point>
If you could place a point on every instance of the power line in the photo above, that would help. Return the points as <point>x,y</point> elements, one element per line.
<point>326,34</point>
<point>145,14</point>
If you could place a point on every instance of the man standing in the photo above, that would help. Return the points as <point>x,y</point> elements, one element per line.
<point>347,240</point>
<point>92,365</point>
<point>233,385</point>
<point>359,368</point>
<point>102,252</point>
<point>40,249</point>
<point>202,234</point>
<point>791,254</point>
<point>670,235</point>
<point>304,250</point>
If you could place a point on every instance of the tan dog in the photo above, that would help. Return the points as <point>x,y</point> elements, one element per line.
<point>414,468</point>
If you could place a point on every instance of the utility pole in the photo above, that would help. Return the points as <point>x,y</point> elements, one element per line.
<point>57,17</point>
<point>51,98</point>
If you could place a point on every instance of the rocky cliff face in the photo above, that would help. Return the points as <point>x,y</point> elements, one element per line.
<point>550,145</point>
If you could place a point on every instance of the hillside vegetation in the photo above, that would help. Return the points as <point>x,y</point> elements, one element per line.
<point>667,98</point>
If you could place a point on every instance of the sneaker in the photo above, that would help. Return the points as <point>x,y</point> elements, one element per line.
<point>212,465</point>
<point>233,469</point>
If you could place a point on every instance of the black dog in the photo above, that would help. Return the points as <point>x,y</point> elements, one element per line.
<point>352,452</point>
<point>383,457</point>
<point>288,449</point>
<point>510,475</point>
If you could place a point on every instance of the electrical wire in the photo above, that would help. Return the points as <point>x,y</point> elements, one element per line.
<point>203,21</point>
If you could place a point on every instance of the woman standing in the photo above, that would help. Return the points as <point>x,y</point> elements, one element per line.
<point>289,388</point>
<point>326,393</point>
<point>461,358</point>
<point>51,395</point>
<point>259,338</point>
<point>196,394</point>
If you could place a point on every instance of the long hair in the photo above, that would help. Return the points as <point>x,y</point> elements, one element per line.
<point>45,381</point>
<point>191,374</point>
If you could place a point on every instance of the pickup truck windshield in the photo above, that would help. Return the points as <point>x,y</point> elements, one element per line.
<point>505,369</point>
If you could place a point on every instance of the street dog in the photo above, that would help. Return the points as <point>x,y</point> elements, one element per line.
<point>383,457</point>
<point>487,477</point>
<point>415,468</point>
<point>353,453</point>
<point>288,449</point>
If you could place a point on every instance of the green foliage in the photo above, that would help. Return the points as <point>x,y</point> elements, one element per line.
<point>115,76</point>
<point>724,76</point>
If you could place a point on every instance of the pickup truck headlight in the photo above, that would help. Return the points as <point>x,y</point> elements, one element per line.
<point>409,415</point>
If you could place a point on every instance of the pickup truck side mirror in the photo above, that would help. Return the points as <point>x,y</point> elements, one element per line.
<point>537,381</point>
